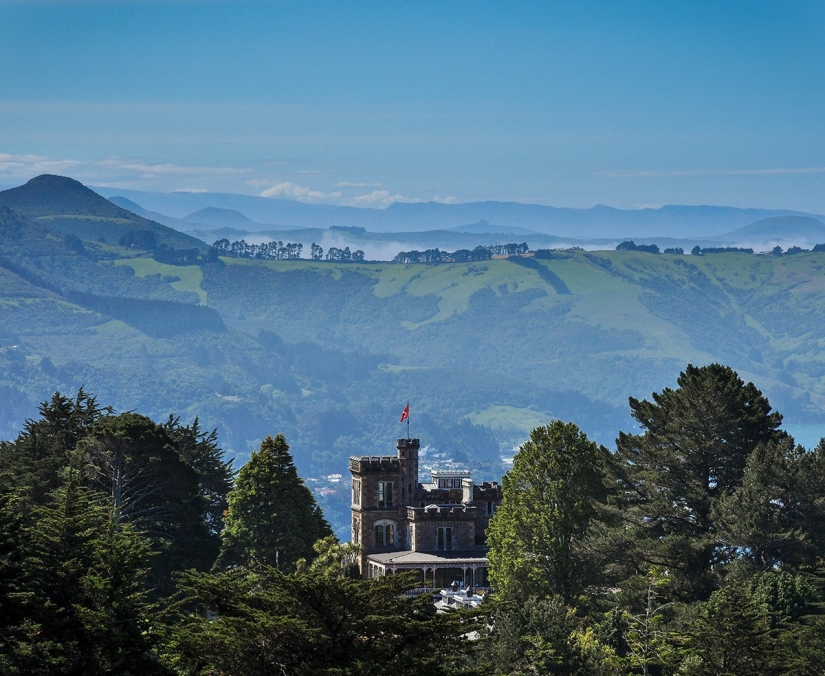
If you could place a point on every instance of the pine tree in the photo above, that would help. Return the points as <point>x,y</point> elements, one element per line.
<point>776,517</point>
<point>82,588</point>
<point>693,452</point>
<point>35,459</point>
<point>200,449</point>
<point>137,465</point>
<point>273,518</point>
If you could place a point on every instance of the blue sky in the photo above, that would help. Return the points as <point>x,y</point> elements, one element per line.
<point>571,103</point>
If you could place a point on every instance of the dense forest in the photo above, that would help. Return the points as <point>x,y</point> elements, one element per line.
<point>697,547</point>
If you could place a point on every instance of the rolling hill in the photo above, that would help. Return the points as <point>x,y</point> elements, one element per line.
<point>70,207</point>
<point>783,231</point>
<point>326,352</point>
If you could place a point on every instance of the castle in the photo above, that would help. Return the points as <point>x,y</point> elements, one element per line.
<point>437,528</point>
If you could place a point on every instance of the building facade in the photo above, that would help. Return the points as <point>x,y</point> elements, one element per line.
<point>436,528</point>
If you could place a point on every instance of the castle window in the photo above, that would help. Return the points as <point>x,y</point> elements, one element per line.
<point>356,491</point>
<point>490,508</point>
<point>385,494</point>
<point>444,538</point>
<point>355,530</point>
<point>385,535</point>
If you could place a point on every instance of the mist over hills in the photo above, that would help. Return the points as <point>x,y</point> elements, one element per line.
<point>780,231</point>
<point>379,238</point>
<point>600,222</point>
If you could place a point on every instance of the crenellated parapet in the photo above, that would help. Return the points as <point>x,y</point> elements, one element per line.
<point>374,463</point>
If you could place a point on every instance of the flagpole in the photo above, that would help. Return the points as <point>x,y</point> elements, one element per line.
<point>408,421</point>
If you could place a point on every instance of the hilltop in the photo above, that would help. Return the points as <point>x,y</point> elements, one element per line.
<point>70,207</point>
<point>780,230</point>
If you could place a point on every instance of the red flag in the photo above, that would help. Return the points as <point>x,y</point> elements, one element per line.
<point>406,414</point>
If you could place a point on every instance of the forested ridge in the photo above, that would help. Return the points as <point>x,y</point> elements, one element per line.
<point>697,547</point>
<point>324,351</point>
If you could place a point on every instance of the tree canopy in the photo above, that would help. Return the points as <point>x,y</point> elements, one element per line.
<point>549,499</point>
<point>273,518</point>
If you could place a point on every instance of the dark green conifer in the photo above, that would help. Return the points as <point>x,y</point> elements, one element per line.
<point>273,518</point>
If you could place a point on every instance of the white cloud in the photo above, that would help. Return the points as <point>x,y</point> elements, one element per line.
<point>167,169</point>
<point>380,198</point>
<point>123,172</point>
<point>301,193</point>
<point>32,165</point>
<point>140,174</point>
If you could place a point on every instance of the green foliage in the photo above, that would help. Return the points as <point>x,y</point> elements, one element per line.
<point>148,484</point>
<point>155,318</point>
<point>543,636</point>
<point>700,563</point>
<point>728,634</point>
<point>200,450</point>
<point>34,462</point>
<point>81,590</point>
<point>266,622</point>
<point>785,597</point>
<point>338,559</point>
<point>693,453</point>
<point>549,499</point>
<point>776,516</point>
<point>273,519</point>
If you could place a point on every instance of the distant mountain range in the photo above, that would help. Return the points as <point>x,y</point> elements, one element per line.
<point>598,222</point>
<point>779,230</point>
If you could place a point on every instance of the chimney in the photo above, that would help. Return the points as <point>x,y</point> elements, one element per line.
<point>467,490</point>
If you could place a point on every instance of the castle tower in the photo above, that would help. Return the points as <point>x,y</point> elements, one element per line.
<point>408,458</point>
<point>382,487</point>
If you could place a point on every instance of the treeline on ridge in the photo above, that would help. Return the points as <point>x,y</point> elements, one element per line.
<point>480,253</point>
<point>630,245</point>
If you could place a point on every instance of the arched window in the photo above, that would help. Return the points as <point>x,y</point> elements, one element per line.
<point>385,534</point>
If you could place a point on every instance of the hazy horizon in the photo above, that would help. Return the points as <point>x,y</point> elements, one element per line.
<point>566,104</point>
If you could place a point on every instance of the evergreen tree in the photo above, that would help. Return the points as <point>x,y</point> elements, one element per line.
<point>273,518</point>
<point>549,499</point>
<point>82,588</point>
<point>136,463</point>
<point>265,622</point>
<point>729,634</point>
<point>776,516</point>
<point>36,459</point>
<point>200,449</point>
<point>693,452</point>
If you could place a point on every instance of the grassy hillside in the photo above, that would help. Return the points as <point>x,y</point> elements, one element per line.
<point>328,353</point>
<point>629,322</point>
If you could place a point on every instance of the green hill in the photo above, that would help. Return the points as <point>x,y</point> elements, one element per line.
<point>68,206</point>
<point>329,352</point>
